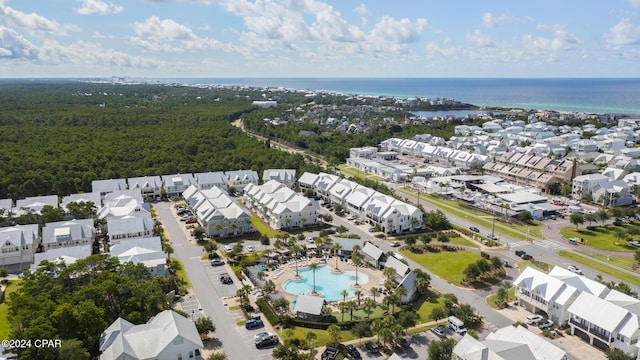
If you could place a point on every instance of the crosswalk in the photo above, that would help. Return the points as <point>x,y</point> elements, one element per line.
<point>541,243</point>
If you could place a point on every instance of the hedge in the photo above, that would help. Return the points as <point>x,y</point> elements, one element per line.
<point>268,312</point>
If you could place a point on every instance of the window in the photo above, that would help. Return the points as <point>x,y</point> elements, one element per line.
<point>190,354</point>
<point>179,356</point>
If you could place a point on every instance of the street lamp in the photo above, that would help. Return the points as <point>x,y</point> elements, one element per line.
<point>493,226</point>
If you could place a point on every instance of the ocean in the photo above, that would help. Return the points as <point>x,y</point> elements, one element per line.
<point>590,95</point>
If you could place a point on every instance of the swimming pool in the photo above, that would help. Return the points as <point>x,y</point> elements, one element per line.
<point>328,283</point>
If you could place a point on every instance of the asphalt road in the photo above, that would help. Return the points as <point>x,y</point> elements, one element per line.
<point>236,341</point>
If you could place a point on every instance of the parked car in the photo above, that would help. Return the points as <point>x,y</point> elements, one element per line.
<point>526,257</point>
<point>226,279</point>
<point>253,324</point>
<point>217,262</point>
<point>402,342</point>
<point>395,244</point>
<point>191,220</point>
<point>260,335</point>
<point>186,217</point>
<point>441,331</point>
<point>493,237</point>
<point>520,253</point>
<point>474,229</point>
<point>266,340</point>
<point>227,248</point>
<point>250,248</point>
<point>574,269</point>
<point>372,347</point>
<point>372,229</point>
<point>330,231</point>
<point>545,324</point>
<point>352,352</point>
<point>635,243</point>
<point>330,353</point>
<point>533,319</point>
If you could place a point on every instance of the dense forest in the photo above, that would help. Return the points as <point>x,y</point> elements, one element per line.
<point>57,137</point>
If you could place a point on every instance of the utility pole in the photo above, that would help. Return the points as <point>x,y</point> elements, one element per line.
<point>493,226</point>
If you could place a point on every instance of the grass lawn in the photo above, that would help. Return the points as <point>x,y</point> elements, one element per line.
<point>600,237</point>
<point>357,173</point>
<point>539,265</point>
<point>445,264</point>
<point>323,336</point>
<point>4,310</point>
<point>459,240</point>
<point>584,260</point>
<point>261,227</point>
<point>182,274</point>
<point>491,299</point>
<point>619,261</point>
<point>425,304</point>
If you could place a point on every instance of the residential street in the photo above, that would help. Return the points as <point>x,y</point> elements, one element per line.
<point>236,341</point>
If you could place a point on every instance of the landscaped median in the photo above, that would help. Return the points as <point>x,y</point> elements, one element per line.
<point>609,237</point>
<point>584,260</point>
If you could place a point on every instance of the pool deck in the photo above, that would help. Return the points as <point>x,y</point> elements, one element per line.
<point>288,272</point>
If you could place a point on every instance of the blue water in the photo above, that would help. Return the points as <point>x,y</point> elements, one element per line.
<point>328,283</point>
<point>591,95</point>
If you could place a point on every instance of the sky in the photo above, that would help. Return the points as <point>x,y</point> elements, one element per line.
<point>319,38</point>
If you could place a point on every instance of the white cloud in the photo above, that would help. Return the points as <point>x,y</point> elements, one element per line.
<point>480,39</point>
<point>489,20</point>
<point>561,40</point>
<point>624,32</point>
<point>167,35</point>
<point>98,7</point>
<point>32,22</point>
<point>399,31</point>
<point>363,11</point>
<point>13,45</point>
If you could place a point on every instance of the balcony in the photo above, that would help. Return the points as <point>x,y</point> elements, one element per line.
<point>603,335</point>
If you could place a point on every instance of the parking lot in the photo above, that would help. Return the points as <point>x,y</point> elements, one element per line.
<point>214,273</point>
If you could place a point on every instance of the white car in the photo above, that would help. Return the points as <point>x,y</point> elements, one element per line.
<point>533,319</point>
<point>227,249</point>
<point>250,248</point>
<point>574,269</point>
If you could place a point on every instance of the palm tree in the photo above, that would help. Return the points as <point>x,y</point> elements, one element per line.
<point>368,304</point>
<point>296,250</point>
<point>334,333</point>
<point>358,293</point>
<point>400,292</point>
<point>389,272</point>
<point>344,294</point>
<point>336,247</point>
<point>374,290</point>
<point>351,305</point>
<point>314,267</point>
<point>357,260</point>
<point>310,337</point>
<point>342,307</point>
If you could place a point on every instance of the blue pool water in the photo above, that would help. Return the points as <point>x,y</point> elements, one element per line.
<point>328,283</point>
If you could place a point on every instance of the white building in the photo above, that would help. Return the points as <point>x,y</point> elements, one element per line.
<point>68,233</point>
<point>120,228</point>
<point>150,186</point>
<point>280,206</point>
<point>284,176</point>
<point>17,245</point>
<point>166,336</point>
<point>176,184</point>
<point>583,184</point>
<point>142,250</point>
<point>239,179</point>
<point>210,179</point>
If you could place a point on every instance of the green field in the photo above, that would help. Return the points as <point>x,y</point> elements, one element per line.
<point>491,299</point>
<point>619,261</point>
<point>349,170</point>
<point>4,310</point>
<point>261,227</point>
<point>459,240</point>
<point>599,237</point>
<point>323,335</point>
<point>628,278</point>
<point>445,264</point>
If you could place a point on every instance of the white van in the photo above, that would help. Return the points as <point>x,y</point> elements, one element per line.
<point>457,325</point>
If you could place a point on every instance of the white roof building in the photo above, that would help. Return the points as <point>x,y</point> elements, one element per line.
<point>106,186</point>
<point>150,186</point>
<point>166,336</point>
<point>17,245</point>
<point>283,176</point>
<point>120,228</point>
<point>239,179</point>
<point>142,250</point>
<point>68,233</point>
<point>176,184</point>
<point>280,206</point>
<point>210,179</point>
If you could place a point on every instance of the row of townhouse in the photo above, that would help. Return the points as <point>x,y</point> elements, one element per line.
<point>127,224</point>
<point>435,151</point>
<point>175,184</point>
<point>603,189</point>
<point>280,206</point>
<point>217,212</point>
<point>391,215</point>
<point>605,318</point>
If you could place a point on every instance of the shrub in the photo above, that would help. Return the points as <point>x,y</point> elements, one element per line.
<point>268,312</point>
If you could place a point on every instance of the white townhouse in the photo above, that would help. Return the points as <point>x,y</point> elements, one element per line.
<point>280,206</point>
<point>142,250</point>
<point>166,336</point>
<point>612,193</point>
<point>150,186</point>
<point>35,204</point>
<point>612,322</point>
<point>6,205</point>
<point>217,212</point>
<point>393,216</point>
<point>366,152</point>
<point>508,343</point>
<point>340,191</point>
<point>308,181</point>
<point>121,228</point>
<point>239,179</point>
<point>583,184</point>
<point>63,234</point>
<point>283,176</point>
<point>18,244</point>
<point>104,187</point>
<point>357,199</point>
<point>122,205</point>
<point>324,184</point>
<point>68,255</point>
<point>210,179</point>
<point>176,184</point>
<point>554,293</point>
